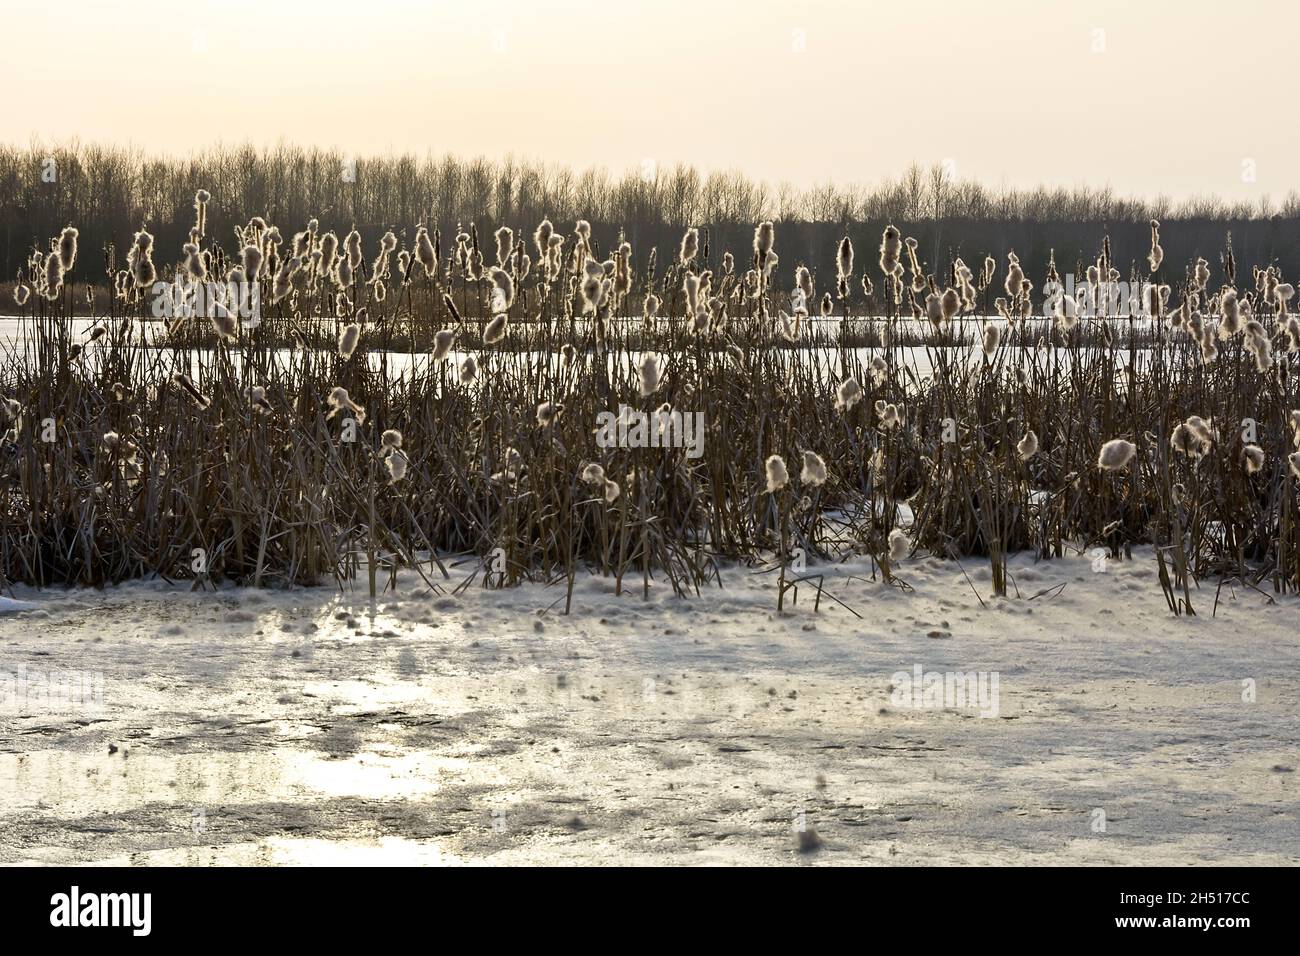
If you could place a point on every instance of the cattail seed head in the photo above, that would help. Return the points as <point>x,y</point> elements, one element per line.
<point>848,394</point>
<point>777,476</point>
<point>650,369</point>
<point>1252,458</point>
<point>548,412</point>
<point>900,546</point>
<point>495,330</point>
<point>1027,447</point>
<point>1116,454</point>
<point>396,462</point>
<point>442,342</point>
<point>68,248</point>
<point>349,337</point>
<point>339,401</point>
<point>814,470</point>
<point>186,385</point>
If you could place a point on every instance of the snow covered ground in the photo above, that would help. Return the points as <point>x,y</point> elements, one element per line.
<point>258,727</point>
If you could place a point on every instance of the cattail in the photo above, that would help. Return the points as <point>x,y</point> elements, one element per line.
<point>186,384</point>
<point>442,342</point>
<point>650,308</point>
<point>891,415</point>
<point>68,248</point>
<point>801,298</point>
<point>1015,276</point>
<point>1184,440</point>
<point>1156,297</point>
<point>503,291</point>
<point>777,476</point>
<point>593,474</point>
<point>352,249</point>
<point>21,294</point>
<point>950,305</point>
<point>827,306</point>
<point>612,491</point>
<point>1027,447</point>
<point>650,370</point>
<point>283,283</point>
<point>848,394</point>
<point>513,466</point>
<point>1116,454</point>
<point>914,263</point>
<point>900,545</point>
<point>1230,311</point>
<point>788,327</point>
<point>201,199</point>
<point>1253,458</point>
<point>890,247</point>
<point>814,470</point>
<point>844,261</point>
<point>764,238</point>
<point>542,238</point>
<point>495,330</point>
<point>339,401</point>
<point>1201,274</point>
<point>251,257</point>
<point>195,264</point>
<point>1293,460</point>
<point>349,338</point>
<point>691,288</point>
<point>1157,254</point>
<point>424,252</point>
<point>690,246</point>
<point>1261,347</point>
<point>992,336</point>
<point>390,440</point>
<point>568,356</point>
<point>505,238</point>
<point>396,462</point>
<point>1067,312</point>
<point>53,277</point>
<point>142,267</point>
<point>255,395</point>
<point>224,323</point>
<point>548,412</point>
<point>468,370</point>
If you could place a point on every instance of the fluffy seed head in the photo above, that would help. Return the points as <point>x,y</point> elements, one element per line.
<point>777,476</point>
<point>1116,454</point>
<point>814,470</point>
<point>1027,447</point>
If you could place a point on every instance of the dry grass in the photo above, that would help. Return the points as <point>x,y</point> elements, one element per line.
<point>114,471</point>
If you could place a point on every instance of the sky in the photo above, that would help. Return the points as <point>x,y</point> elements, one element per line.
<point>1169,98</point>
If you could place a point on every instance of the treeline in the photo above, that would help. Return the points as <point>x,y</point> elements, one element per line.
<point>109,192</point>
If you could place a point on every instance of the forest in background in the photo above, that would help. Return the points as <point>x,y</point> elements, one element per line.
<point>109,192</point>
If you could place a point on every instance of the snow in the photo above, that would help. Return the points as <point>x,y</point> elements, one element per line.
<point>311,726</point>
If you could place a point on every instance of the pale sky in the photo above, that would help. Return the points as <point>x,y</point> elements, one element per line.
<point>1160,97</point>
